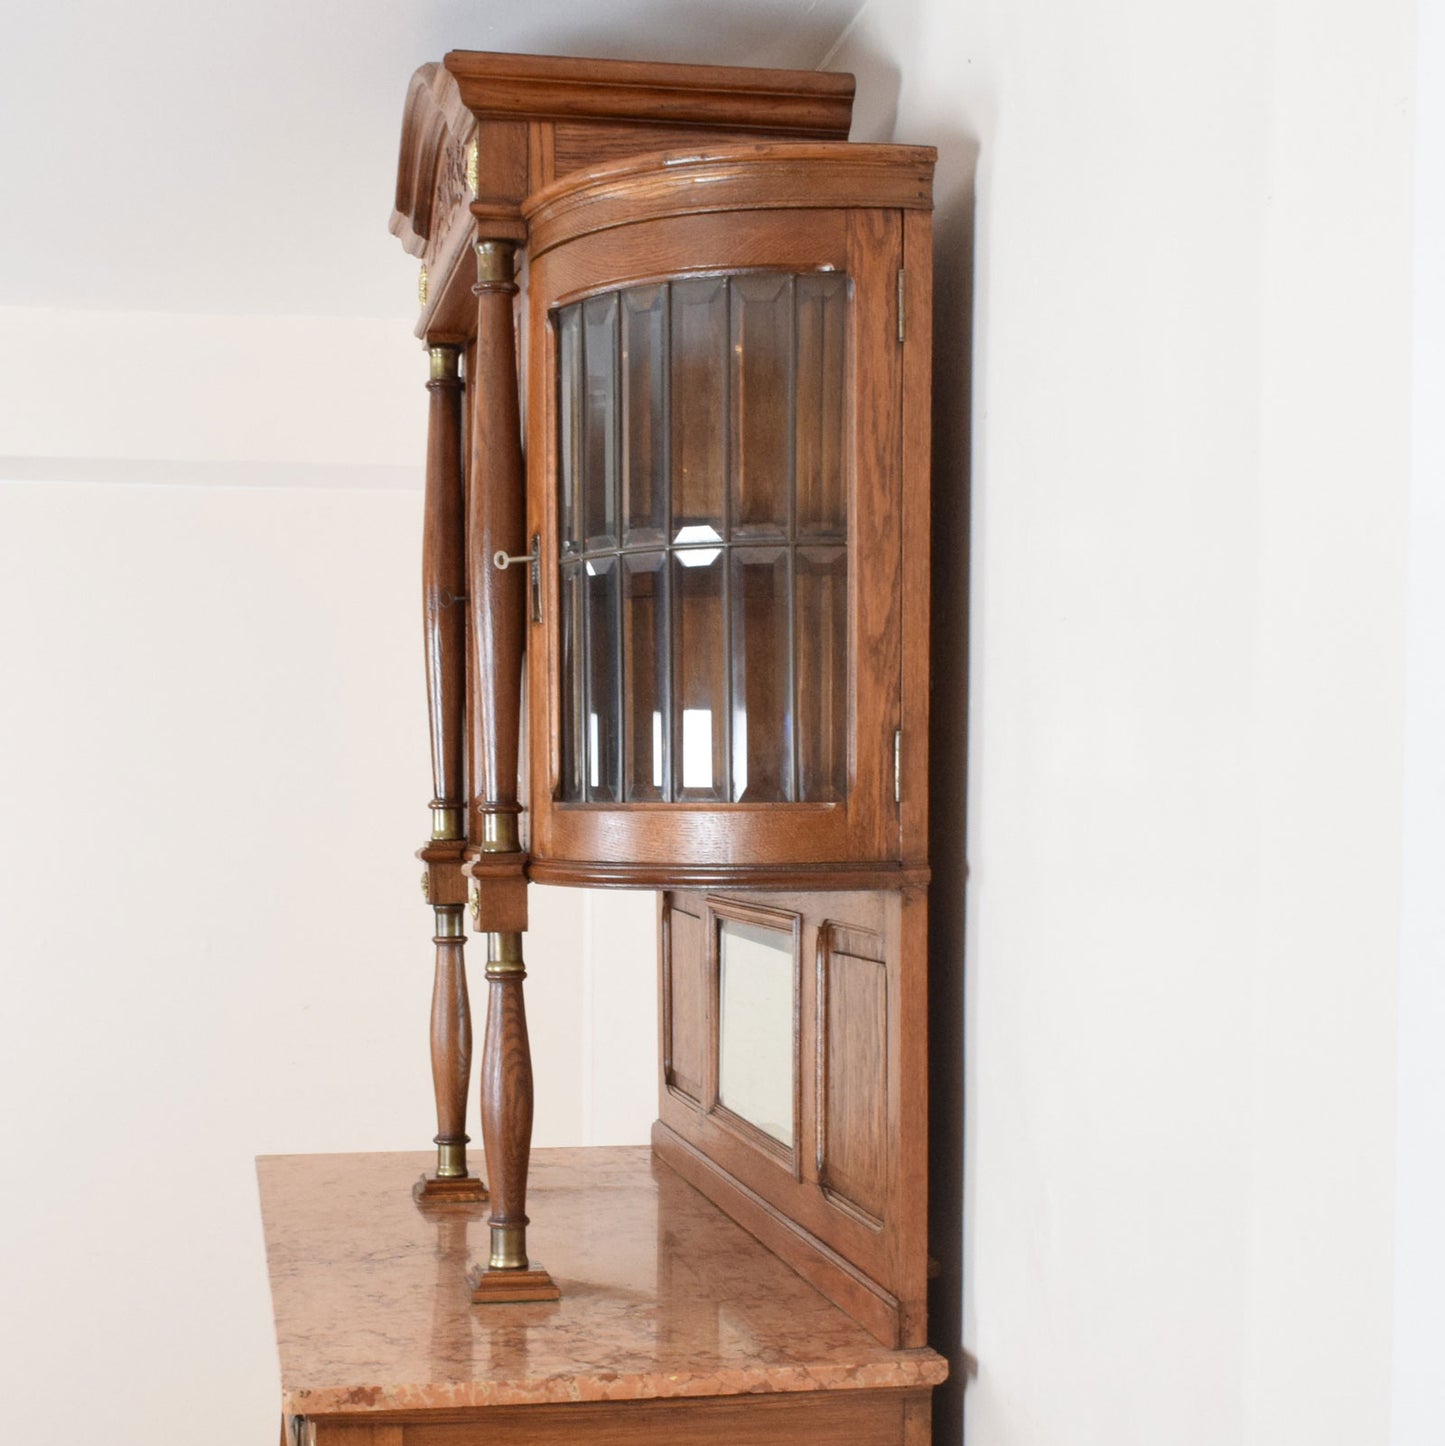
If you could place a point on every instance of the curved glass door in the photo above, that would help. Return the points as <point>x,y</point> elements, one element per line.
<point>703,511</point>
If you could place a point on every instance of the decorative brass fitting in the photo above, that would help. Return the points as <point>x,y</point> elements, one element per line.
<point>449,921</point>
<point>446,821</point>
<point>509,1247</point>
<point>504,956</point>
<point>451,1160</point>
<point>474,182</point>
<point>474,900</point>
<point>421,286</point>
<point>443,364</point>
<point>499,833</point>
<point>494,265</point>
<point>426,886</point>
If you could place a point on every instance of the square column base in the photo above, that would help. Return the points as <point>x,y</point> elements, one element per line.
<point>449,1190</point>
<point>496,1287</point>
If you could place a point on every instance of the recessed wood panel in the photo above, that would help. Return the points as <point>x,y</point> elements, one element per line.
<point>853,1070</point>
<point>685,959</point>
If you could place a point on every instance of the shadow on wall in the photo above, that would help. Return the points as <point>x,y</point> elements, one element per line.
<point>953,250</point>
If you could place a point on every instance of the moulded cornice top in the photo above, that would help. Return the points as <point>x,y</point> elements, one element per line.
<point>799,102</point>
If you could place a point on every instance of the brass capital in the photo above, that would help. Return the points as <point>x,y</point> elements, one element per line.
<point>443,367</point>
<point>494,265</point>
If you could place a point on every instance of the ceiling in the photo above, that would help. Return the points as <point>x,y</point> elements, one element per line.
<point>196,156</point>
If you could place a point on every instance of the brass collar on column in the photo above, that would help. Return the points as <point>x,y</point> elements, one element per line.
<point>495,270</point>
<point>443,362</point>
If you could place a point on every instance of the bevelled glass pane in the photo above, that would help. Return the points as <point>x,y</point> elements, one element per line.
<point>645,662</point>
<point>822,500</point>
<point>574,736</point>
<point>703,512</point>
<point>756,1012</point>
<point>762,714</point>
<point>761,321</point>
<point>600,429</point>
<point>569,441</point>
<point>821,612</point>
<point>699,677</point>
<point>699,400</point>
<point>604,676</point>
<point>644,415</point>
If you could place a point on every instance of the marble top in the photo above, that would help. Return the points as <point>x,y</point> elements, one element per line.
<point>662,1295</point>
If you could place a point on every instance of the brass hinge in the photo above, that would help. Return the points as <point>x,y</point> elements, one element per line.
<point>897,765</point>
<point>902,311</point>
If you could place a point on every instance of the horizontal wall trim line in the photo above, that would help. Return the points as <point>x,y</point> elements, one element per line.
<point>172,472</point>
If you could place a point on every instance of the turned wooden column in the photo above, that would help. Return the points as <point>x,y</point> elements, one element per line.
<point>444,597</point>
<point>499,583</point>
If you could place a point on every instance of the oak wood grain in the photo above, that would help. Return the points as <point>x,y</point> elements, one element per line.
<point>789,176</point>
<point>794,101</point>
<point>506,1091</point>
<point>863,1418</point>
<point>496,523</point>
<point>451,1040</point>
<point>444,579</point>
<point>859,1195</point>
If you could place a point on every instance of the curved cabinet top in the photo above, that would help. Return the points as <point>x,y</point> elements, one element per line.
<point>749,176</point>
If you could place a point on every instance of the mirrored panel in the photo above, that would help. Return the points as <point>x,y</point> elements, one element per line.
<point>756,1066</point>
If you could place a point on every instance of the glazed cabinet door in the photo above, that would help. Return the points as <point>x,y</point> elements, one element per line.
<point>714,478</point>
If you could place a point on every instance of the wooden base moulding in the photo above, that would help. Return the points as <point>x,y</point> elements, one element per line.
<point>497,1287</point>
<point>449,1190</point>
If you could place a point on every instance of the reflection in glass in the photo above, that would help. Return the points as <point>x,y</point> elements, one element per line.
<point>762,398</point>
<point>820,486</point>
<point>603,666</point>
<point>703,508</point>
<point>699,677</point>
<point>755,1026</point>
<point>574,745</point>
<point>699,398</point>
<point>644,409</point>
<point>599,432</point>
<point>762,691</point>
<point>821,589</point>
<point>645,659</point>
<point>569,443</point>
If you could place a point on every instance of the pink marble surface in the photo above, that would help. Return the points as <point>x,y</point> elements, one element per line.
<point>662,1295</point>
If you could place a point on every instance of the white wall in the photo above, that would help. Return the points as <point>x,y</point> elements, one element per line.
<point>1189,484</point>
<point>213,771</point>
<point>1419,1316</point>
